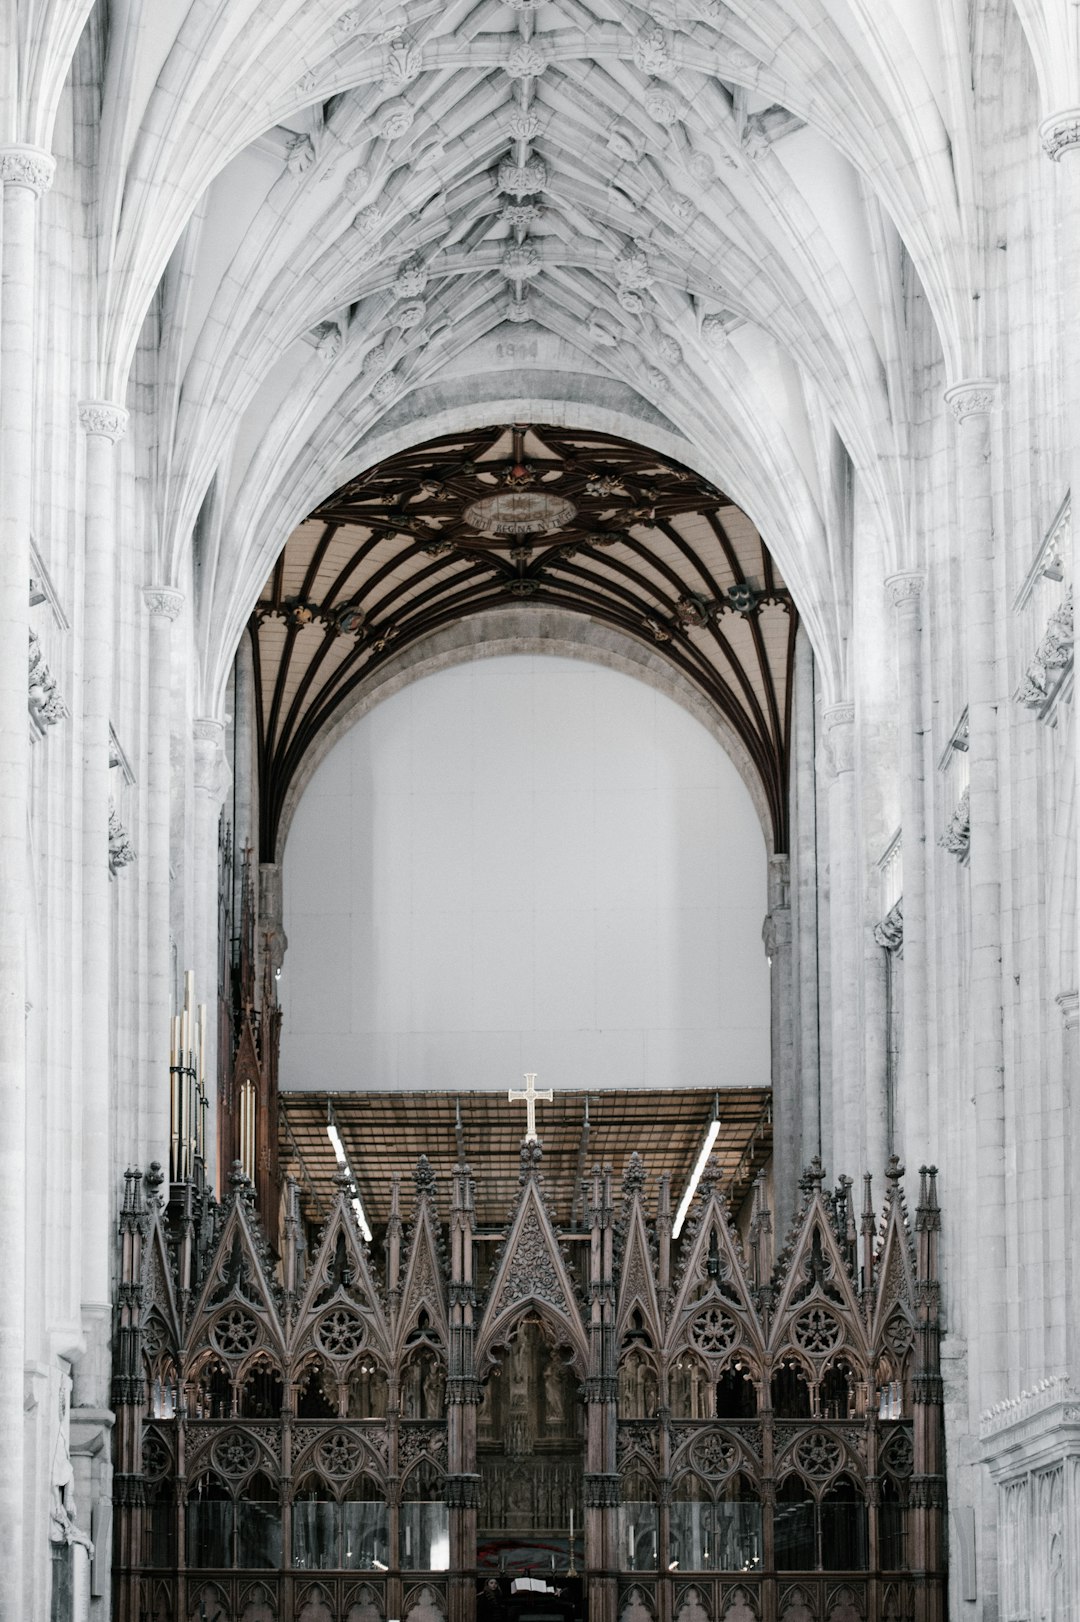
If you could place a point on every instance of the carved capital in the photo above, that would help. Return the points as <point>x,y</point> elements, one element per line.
<point>840,737</point>
<point>28,166</point>
<point>889,933</point>
<point>102,418</point>
<point>163,603</point>
<point>907,586</point>
<point>1069,1003</point>
<point>975,397</point>
<point>1060,133</point>
<point>601,1491</point>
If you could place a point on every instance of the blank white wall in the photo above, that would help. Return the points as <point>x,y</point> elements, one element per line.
<point>525,863</point>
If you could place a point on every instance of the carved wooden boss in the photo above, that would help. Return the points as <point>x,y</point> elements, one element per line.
<point>299,1440</point>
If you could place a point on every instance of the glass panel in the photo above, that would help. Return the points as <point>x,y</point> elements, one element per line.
<point>366,1535</point>
<point>425,1537</point>
<point>161,1532</point>
<point>258,1535</point>
<point>843,1536</point>
<point>209,1532</point>
<point>794,1537</point>
<point>690,1548</point>
<point>315,1535</point>
<point>892,1537</point>
<point>737,1538</point>
<point>638,1538</point>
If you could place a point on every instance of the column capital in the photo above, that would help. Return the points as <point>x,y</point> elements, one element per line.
<point>29,166</point>
<point>103,418</point>
<point>162,602</point>
<point>1069,1003</point>
<point>839,722</point>
<point>974,397</point>
<point>204,729</point>
<point>905,586</point>
<point>1060,133</point>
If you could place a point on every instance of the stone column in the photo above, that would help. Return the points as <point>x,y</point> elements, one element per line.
<point>1069,1003</point>
<point>25,173</point>
<point>104,424</point>
<point>846,1151</point>
<point>787,1105</point>
<point>211,784</point>
<point>804,882</point>
<point>163,605</point>
<point>972,403</point>
<point>913,1126</point>
<point>1060,135</point>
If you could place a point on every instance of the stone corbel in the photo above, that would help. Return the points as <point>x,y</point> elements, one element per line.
<point>212,774</point>
<point>43,697</point>
<point>839,722</point>
<point>1048,672</point>
<point>121,850</point>
<point>890,932</point>
<point>957,836</point>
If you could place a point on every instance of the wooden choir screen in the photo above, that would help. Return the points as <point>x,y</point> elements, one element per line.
<point>662,1432</point>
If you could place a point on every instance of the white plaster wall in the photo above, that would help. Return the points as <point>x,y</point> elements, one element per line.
<point>525,863</point>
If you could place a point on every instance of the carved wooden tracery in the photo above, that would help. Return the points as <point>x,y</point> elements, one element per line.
<point>489,519</point>
<point>756,1443</point>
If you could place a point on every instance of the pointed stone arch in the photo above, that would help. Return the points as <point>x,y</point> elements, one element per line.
<point>531,1276</point>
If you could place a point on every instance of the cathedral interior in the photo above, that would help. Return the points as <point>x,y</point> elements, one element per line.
<point>539,990</point>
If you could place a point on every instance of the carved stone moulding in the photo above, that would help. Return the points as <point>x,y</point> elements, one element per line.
<point>840,737</point>
<point>1060,133</point>
<point>957,836</point>
<point>974,397</point>
<point>29,166</point>
<point>906,586</point>
<point>43,695</point>
<point>162,602</point>
<point>103,419</point>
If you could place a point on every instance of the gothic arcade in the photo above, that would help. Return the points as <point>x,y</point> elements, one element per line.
<point>666,1432</point>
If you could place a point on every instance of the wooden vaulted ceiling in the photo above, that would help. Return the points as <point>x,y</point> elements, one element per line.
<point>563,518</point>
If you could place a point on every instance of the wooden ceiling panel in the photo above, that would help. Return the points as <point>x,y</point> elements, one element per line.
<point>487,519</point>
<point>384,1134</point>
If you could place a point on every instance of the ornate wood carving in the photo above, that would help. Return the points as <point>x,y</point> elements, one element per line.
<point>309,1388</point>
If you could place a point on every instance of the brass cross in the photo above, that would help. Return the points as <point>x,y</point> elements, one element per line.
<point>530,1098</point>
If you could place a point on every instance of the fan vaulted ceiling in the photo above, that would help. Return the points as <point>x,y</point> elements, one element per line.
<point>566,518</point>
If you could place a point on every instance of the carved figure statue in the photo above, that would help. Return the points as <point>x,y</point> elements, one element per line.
<point>554,1395</point>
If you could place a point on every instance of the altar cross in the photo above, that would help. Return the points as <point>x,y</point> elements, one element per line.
<point>530,1098</point>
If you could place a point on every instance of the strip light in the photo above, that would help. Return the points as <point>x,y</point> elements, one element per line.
<point>691,1187</point>
<point>343,1161</point>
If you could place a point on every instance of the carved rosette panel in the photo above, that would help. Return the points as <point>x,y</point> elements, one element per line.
<point>817,1332</point>
<point>713,1332</point>
<point>235,1333</point>
<point>207,1438</point>
<point>157,1453</point>
<point>235,1454</point>
<point>339,1451</point>
<point>898,1454</point>
<point>715,1451</point>
<point>341,1333</point>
